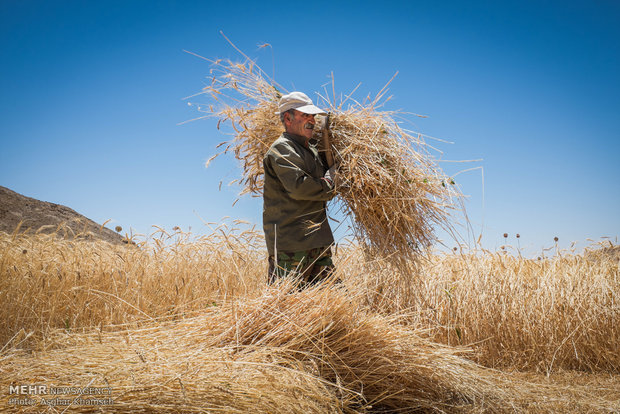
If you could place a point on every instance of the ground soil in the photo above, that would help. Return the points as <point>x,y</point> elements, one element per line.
<point>32,216</point>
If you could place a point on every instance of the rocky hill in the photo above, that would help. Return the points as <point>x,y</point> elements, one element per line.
<point>41,216</point>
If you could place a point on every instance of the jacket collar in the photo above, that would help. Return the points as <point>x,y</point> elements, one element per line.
<point>297,138</point>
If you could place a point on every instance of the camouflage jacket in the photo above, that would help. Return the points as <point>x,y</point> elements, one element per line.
<point>294,197</point>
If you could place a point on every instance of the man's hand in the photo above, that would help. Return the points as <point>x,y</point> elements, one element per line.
<point>332,175</point>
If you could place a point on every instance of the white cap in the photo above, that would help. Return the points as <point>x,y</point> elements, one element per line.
<point>300,102</point>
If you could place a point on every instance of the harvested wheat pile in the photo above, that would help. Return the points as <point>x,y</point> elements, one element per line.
<point>391,185</point>
<point>314,351</point>
<point>303,352</point>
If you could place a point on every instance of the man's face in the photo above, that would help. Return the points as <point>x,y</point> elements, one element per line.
<point>300,124</point>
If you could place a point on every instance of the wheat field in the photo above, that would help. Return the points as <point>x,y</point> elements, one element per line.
<point>183,323</point>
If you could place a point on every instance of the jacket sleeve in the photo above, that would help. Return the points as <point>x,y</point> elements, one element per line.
<point>288,166</point>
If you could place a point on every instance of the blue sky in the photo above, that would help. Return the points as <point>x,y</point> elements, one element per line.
<point>92,94</point>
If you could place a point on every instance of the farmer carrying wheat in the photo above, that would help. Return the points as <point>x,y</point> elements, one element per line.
<point>297,187</point>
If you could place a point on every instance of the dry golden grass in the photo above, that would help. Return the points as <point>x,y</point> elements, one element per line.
<point>50,282</point>
<point>183,323</point>
<point>558,313</point>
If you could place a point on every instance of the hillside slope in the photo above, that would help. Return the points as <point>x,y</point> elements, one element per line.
<point>35,215</point>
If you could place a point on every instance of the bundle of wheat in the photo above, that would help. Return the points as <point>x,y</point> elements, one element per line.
<point>312,351</point>
<point>390,183</point>
<point>303,352</point>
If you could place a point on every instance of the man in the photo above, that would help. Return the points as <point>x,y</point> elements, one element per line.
<point>296,190</point>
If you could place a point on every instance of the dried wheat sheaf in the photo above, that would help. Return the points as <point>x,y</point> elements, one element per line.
<point>390,185</point>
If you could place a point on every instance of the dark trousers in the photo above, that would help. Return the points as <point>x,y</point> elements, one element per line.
<point>309,267</point>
